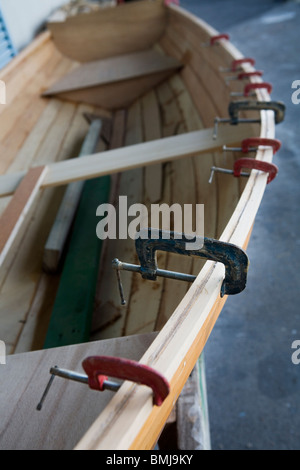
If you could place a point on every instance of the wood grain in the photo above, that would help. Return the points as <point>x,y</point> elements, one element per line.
<point>113,161</point>
<point>69,409</point>
<point>111,32</point>
<point>12,219</point>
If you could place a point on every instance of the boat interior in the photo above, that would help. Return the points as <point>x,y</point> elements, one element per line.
<point>37,130</point>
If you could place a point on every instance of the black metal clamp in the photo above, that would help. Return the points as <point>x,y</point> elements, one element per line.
<point>236,107</point>
<point>149,241</point>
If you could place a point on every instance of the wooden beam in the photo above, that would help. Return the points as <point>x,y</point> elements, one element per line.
<point>120,94</point>
<point>136,156</point>
<point>55,244</point>
<point>114,70</point>
<point>21,203</point>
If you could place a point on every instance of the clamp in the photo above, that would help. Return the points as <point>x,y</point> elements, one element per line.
<point>251,164</point>
<point>98,367</point>
<point>245,75</point>
<point>215,39</point>
<point>235,107</point>
<point>252,144</point>
<point>253,86</point>
<point>237,63</point>
<point>149,241</point>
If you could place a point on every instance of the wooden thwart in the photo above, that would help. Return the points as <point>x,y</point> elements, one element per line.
<point>14,215</point>
<point>115,82</point>
<point>135,156</point>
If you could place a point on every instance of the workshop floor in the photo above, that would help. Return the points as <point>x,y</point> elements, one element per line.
<point>253,385</point>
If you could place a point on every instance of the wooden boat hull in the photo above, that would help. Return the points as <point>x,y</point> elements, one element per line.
<point>184,316</point>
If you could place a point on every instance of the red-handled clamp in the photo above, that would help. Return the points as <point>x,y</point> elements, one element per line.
<point>252,143</point>
<point>96,367</point>
<point>168,2</point>
<point>253,164</point>
<point>236,63</point>
<point>243,75</point>
<point>257,86</point>
<point>250,164</point>
<point>253,86</point>
<point>217,38</point>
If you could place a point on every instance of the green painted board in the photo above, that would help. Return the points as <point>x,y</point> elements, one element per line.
<point>72,313</point>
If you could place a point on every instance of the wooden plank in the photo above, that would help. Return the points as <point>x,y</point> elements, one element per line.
<point>152,131</point>
<point>21,271</point>
<point>128,28</point>
<point>31,337</point>
<point>110,317</point>
<point>180,117</point>
<point>72,312</point>
<point>197,80</point>
<point>56,242</point>
<point>31,308</point>
<point>113,70</point>
<point>136,156</point>
<point>12,219</point>
<point>69,409</point>
<point>120,94</point>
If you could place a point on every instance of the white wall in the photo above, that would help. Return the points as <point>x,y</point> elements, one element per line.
<point>24,18</point>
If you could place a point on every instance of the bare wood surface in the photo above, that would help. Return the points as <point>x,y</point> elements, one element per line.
<point>112,70</point>
<point>69,409</point>
<point>139,26</point>
<point>110,316</point>
<point>119,94</point>
<point>20,205</point>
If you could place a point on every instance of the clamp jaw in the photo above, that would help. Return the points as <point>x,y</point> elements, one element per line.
<point>149,241</point>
